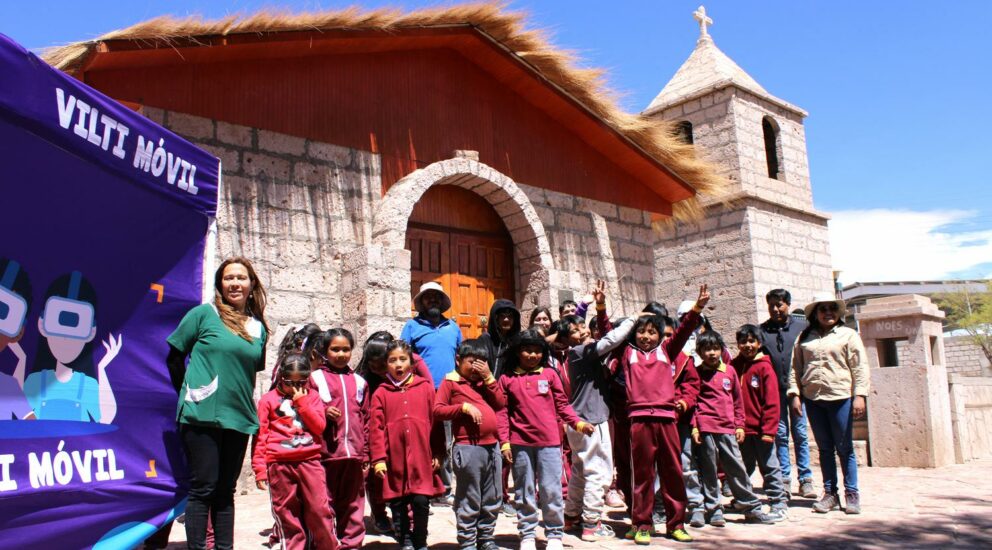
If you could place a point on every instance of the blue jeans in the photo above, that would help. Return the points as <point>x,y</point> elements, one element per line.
<point>800,438</point>
<point>832,424</point>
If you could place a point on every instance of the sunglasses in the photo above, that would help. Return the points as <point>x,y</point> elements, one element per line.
<point>295,383</point>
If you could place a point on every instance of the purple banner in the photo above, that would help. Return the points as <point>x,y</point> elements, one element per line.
<point>103,227</point>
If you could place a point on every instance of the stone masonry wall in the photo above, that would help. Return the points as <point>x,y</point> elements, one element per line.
<point>790,250</point>
<point>716,251</point>
<point>792,187</point>
<point>294,207</point>
<point>596,240</point>
<point>965,358</point>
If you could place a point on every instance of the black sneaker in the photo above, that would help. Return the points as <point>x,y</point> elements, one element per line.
<point>489,545</point>
<point>758,516</point>
<point>828,502</point>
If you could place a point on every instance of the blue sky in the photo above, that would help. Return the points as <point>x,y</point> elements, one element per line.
<point>899,126</point>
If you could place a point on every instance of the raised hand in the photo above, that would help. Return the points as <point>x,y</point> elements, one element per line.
<point>704,296</point>
<point>599,292</point>
<point>481,368</point>
<point>299,393</point>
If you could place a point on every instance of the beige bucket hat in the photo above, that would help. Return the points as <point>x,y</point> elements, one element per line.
<point>427,287</point>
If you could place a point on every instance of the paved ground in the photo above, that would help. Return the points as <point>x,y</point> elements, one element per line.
<point>903,508</point>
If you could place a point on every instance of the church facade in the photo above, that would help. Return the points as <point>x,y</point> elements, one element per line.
<point>364,154</point>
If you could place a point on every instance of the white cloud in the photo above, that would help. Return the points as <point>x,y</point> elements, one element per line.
<point>900,245</point>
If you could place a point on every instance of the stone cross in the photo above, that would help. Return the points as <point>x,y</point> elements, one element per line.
<point>700,15</point>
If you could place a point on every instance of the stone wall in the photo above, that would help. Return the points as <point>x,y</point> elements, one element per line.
<point>596,240</point>
<point>717,252</point>
<point>965,358</point>
<point>971,417</point>
<point>791,250</point>
<point>294,207</point>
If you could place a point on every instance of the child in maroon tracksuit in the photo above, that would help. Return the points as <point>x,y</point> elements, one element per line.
<point>345,454</point>
<point>653,410</point>
<point>718,429</point>
<point>469,397</point>
<point>286,458</point>
<point>759,390</point>
<point>400,436</point>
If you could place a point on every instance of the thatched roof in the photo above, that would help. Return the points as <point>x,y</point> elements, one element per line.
<point>586,85</point>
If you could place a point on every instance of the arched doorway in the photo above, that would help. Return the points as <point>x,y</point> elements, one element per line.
<point>456,238</point>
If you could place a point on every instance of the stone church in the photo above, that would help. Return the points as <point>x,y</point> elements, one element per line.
<point>365,152</point>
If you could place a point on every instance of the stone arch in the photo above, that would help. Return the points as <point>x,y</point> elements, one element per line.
<point>532,251</point>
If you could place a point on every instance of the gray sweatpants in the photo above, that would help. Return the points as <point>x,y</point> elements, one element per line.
<point>478,492</point>
<point>690,470</point>
<point>592,473</point>
<point>723,448</point>
<point>762,453</point>
<point>540,466</point>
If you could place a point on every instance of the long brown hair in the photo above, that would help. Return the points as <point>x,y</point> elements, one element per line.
<point>232,318</point>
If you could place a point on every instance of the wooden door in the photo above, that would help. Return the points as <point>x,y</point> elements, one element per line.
<point>474,271</point>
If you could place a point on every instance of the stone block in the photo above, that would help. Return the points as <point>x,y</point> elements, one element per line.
<point>604,209</point>
<point>233,134</point>
<point>265,166</point>
<point>336,154</point>
<point>230,159</point>
<point>288,307</point>
<point>631,215</point>
<point>574,222</point>
<point>240,189</point>
<point>281,143</point>
<point>190,126</point>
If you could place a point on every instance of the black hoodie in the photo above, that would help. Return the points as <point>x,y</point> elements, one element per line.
<point>496,343</point>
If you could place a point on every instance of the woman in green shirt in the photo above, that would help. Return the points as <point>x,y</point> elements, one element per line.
<point>225,344</point>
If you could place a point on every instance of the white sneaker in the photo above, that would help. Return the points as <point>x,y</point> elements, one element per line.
<point>553,544</point>
<point>531,544</point>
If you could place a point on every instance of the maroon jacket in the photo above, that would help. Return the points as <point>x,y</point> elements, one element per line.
<point>288,431</point>
<point>345,438</point>
<point>720,409</point>
<point>535,401</point>
<point>686,385</point>
<point>453,393</point>
<point>759,390</point>
<point>400,437</point>
<point>650,376</point>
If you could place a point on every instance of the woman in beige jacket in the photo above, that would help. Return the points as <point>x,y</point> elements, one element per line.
<point>830,375</point>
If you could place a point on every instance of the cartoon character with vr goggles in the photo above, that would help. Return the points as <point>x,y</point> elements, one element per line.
<point>63,383</point>
<point>15,300</point>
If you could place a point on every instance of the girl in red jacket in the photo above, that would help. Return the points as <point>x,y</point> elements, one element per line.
<point>400,438</point>
<point>286,458</point>
<point>759,392</point>
<point>345,454</point>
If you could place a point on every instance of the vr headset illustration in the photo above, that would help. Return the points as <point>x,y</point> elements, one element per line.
<point>69,317</point>
<point>13,308</point>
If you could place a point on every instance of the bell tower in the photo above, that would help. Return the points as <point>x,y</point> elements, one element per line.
<point>768,235</point>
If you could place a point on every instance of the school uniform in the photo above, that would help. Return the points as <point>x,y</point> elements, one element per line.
<point>719,414</point>
<point>687,391</point>
<point>287,455</point>
<point>345,450</point>
<point>373,484</point>
<point>651,398</point>
<point>400,438</point>
<point>760,394</point>
<point>535,401</point>
<point>475,455</point>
